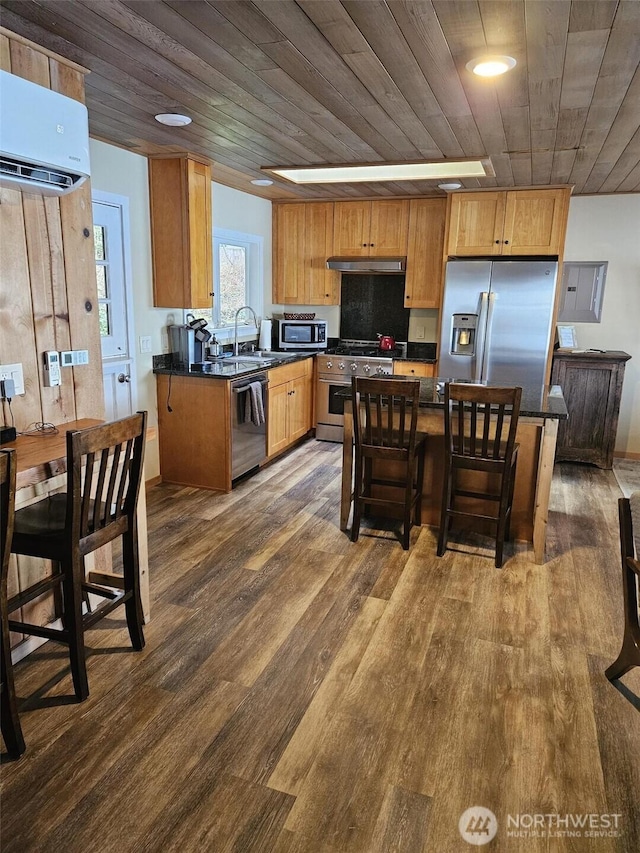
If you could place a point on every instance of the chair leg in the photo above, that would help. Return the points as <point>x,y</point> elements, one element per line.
<point>133,605</point>
<point>357,502</point>
<point>510,504</point>
<point>72,588</point>
<point>444,511</point>
<point>408,500</point>
<point>628,658</point>
<point>420,486</point>
<point>11,728</point>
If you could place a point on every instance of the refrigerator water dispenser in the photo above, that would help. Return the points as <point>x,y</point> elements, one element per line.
<point>463,335</point>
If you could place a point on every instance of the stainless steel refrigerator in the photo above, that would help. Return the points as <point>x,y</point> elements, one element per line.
<point>496,321</point>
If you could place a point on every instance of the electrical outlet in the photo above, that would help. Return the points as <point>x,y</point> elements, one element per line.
<point>420,333</point>
<point>13,372</point>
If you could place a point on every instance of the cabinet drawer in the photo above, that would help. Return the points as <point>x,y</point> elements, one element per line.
<point>288,372</point>
<point>413,368</point>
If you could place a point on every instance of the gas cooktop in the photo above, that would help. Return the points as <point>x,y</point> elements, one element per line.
<point>363,348</point>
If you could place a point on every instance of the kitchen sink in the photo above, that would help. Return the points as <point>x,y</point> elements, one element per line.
<point>266,358</point>
<point>250,358</point>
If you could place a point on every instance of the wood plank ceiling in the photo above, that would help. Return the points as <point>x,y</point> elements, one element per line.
<point>278,82</point>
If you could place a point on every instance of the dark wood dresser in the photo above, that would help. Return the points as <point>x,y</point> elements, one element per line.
<point>592,386</point>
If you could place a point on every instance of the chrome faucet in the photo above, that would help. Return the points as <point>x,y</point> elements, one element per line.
<point>235,330</point>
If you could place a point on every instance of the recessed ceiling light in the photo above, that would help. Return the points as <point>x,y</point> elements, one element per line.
<point>347,174</point>
<point>173,119</point>
<point>261,182</point>
<point>450,185</point>
<point>491,66</point>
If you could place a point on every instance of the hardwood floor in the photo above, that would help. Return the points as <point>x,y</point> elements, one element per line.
<point>299,692</point>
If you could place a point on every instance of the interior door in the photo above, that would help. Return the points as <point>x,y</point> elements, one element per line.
<point>111,243</point>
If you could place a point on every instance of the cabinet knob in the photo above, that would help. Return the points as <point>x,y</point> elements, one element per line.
<point>211,293</point>
<point>506,242</point>
<point>497,242</point>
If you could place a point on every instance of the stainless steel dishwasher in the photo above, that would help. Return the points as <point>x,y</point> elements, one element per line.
<point>248,439</point>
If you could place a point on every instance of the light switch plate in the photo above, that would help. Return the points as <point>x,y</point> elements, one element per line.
<point>145,343</point>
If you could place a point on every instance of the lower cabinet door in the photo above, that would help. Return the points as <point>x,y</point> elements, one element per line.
<point>277,431</point>
<point>299,407</point>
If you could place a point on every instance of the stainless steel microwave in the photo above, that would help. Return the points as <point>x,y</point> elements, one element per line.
<point>301,334</point>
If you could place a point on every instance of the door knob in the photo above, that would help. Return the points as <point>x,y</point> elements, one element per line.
<point>122,377</point>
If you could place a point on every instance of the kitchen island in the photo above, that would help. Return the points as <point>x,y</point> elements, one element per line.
<point>540,412</point>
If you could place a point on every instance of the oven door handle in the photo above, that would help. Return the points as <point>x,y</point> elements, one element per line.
<point>334,382</point>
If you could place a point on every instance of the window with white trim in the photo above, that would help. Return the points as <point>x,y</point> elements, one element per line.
<point>237,281</point>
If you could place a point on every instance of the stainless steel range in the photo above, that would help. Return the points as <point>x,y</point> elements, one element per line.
<point>335,369</point>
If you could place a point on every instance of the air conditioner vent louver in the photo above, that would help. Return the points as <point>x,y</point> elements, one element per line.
<point>23,172</point>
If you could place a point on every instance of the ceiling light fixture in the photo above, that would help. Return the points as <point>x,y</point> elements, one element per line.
<point>491,66</point>
<point>420,171</point>
<point>450,185</point>
<point>173,119</point>
<point>261,182</point>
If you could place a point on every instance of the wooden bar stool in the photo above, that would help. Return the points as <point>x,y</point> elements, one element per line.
<point>104,471</point>
<point>629,517</point>
<point>385,416</point>
<point>476,419</point>
<point>11,728</point>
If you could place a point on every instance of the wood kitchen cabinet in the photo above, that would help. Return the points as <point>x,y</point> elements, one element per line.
<point>195,437</point>
<point>413,368</point>
<point>302,242</point>
<point>181,232</point>
<point>423,280</point>
<point>371,228</point>
<point>289,404</point>
<point>592,386</point>
<point>512,222</point>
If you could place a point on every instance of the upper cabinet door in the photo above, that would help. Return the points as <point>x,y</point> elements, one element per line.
<point>476,223</point>
<point>388,233</point>
<point>535,222</point>
<point>323,284</point>
<point>423,280</point>
<point>289,254</point>
<point>201,233</point>
<point>351,228</point>
<point>371,228</point>
<point>181,232</point>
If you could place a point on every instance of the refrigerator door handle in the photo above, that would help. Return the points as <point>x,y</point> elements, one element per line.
<point>482,334</point>
<point>486,350</point>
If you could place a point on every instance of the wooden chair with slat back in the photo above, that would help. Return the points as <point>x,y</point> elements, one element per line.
<point>476,420</point>
<point>385,417</point>
<point>11,728</point>
<point>104,473</point>
<point>630,652</point>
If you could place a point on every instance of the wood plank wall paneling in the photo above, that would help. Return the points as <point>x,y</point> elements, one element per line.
<point>48,294</point>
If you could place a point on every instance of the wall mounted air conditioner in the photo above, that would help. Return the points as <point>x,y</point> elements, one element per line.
<point>44,138</point>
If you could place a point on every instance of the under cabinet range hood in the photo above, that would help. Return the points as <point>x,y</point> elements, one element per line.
<point>368,265</point>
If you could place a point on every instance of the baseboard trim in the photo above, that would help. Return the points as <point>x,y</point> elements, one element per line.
<point>154,481</point>
<point>630,454</point>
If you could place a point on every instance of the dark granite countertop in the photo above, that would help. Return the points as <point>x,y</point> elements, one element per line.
<point>540,402</point>
<point>222,369</point>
